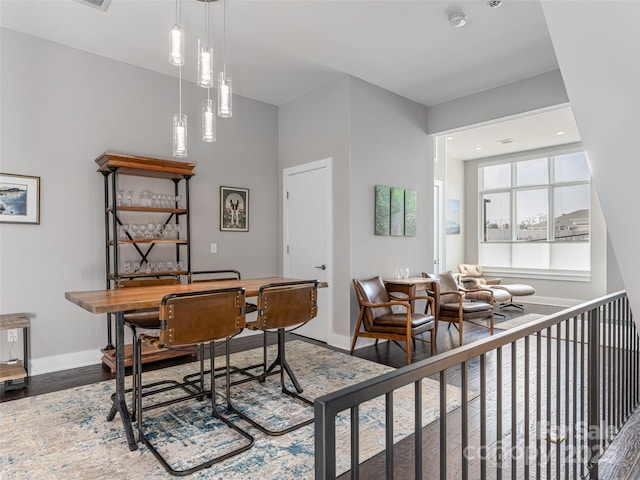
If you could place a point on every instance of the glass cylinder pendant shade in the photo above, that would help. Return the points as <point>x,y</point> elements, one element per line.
<point>205,64</point>
<point>208,121</point>
<point>224,95</point>
<point>176,54</point>
<point>179,135</point>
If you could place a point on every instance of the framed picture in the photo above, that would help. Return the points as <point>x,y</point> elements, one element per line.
<point>19,199</point>
<point>234,209</point>
<point>453,217</point>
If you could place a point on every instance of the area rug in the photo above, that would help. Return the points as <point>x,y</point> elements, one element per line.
<point>65,434</point>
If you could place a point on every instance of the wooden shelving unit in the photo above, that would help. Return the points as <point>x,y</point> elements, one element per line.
<point>112,166</point>
<point>10,372</point>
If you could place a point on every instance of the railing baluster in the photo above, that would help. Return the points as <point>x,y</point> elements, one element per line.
<point>526,431</point>
<point>548,399</point>
<point>514,411</point>
<point>355,443</point>
<point>443,425</point>
<point>570,337</point>
<point>538,404</point>
<point>574,427</point>
<point>464,393</point>
<point>583,416</point>
<point>483,417</point>
<point>594,390</point>
<point>418,431</point>
<point>499,446</point>
<point>558,397</point>
<point>609,358</point>
<point>389,433</point>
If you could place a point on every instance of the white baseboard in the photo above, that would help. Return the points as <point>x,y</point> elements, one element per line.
<point>553,301</point>
<point>65,361</point>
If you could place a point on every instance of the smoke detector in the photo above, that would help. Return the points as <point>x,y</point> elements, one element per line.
<point>494,3</point>
<point>457,19</point>
<point>99,4</point>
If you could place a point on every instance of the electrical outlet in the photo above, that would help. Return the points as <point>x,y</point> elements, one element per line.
<point>12,335</point>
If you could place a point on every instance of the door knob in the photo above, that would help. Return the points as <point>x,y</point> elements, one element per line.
<point>322,267</point>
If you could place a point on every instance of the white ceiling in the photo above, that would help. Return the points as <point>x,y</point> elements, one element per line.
<point>278,50</point>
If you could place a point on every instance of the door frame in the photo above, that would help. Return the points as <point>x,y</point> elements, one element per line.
<point>438,227</point>
<point>327,164</point>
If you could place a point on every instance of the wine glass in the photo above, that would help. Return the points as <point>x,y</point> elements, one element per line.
<point>135,228</point>
<point>143,231</point>
<point>179,266</point>
<point>168,231</point>
<point>127,266</point>
<point>119,197</point>
<point>178,200</point>
<point>129,198</point>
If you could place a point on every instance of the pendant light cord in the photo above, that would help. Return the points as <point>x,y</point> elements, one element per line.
<point>224,36</point>
<point>180,91</point>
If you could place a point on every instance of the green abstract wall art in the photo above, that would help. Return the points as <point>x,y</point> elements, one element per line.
<point>395,211</point>
<point>383,209</point>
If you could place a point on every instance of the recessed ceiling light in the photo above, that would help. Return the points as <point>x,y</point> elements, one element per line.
<point>449,138</point>
<point>560,133</point>
<point>457,19</point>
<point>478,148</point>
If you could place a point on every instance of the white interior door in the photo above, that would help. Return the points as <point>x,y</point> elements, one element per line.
<point>307,235</point>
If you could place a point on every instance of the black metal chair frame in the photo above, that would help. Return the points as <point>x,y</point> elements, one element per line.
<point>280,361</point>
<point>135,326</point>
<point>189,392</point>
<point>249,308</point>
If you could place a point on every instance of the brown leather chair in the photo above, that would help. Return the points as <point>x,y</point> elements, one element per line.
<point>282,307</point>
<point>189,319</point>
<point>380,322</point>
<point>453,307</point>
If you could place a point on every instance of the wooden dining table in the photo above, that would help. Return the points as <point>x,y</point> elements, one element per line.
<point>120,300</point>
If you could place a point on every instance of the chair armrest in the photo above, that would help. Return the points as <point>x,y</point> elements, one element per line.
<point>476,290</point>
<point>406,299</point>
<point>386,304</point>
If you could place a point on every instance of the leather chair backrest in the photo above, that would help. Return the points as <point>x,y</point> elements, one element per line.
<point>372,290</point>
<point>470,270</point>
<point>198,317</point>
<point>282,306</point>
<point>448,284</point>
<point>215,275</point>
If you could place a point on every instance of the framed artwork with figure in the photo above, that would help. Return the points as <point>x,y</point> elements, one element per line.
<point>234,209</point>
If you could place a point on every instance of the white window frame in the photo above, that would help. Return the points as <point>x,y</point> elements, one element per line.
<point>520,271</point>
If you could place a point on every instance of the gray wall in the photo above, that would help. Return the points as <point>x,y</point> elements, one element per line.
<point>523,97</point>
<point>60,110</point>
<point>374,137</point>
<point>389,146</point>
<point>602,74</point>
<point>314,127</point>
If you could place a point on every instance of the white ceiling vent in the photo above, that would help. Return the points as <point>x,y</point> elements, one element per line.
<point>504,141</point>
<point>99,4</point>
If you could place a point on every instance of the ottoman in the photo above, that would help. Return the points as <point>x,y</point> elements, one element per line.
<point>514,290</point>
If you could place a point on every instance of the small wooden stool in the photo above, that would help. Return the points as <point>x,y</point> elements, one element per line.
<point>16,370</point>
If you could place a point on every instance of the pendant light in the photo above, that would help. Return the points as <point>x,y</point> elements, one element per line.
<point>205,79</point>
<point>180,126</point>
<point>176,52</point>
<point>224,78</point>
<point>205,53</point>
<point>208,120</point>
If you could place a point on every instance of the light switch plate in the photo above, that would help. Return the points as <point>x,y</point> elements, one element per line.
<point>214,248</point>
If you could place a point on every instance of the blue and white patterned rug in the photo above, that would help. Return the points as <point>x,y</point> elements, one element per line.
<point>65,435</point>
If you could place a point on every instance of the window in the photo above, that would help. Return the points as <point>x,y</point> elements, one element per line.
<point>535,213</point>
